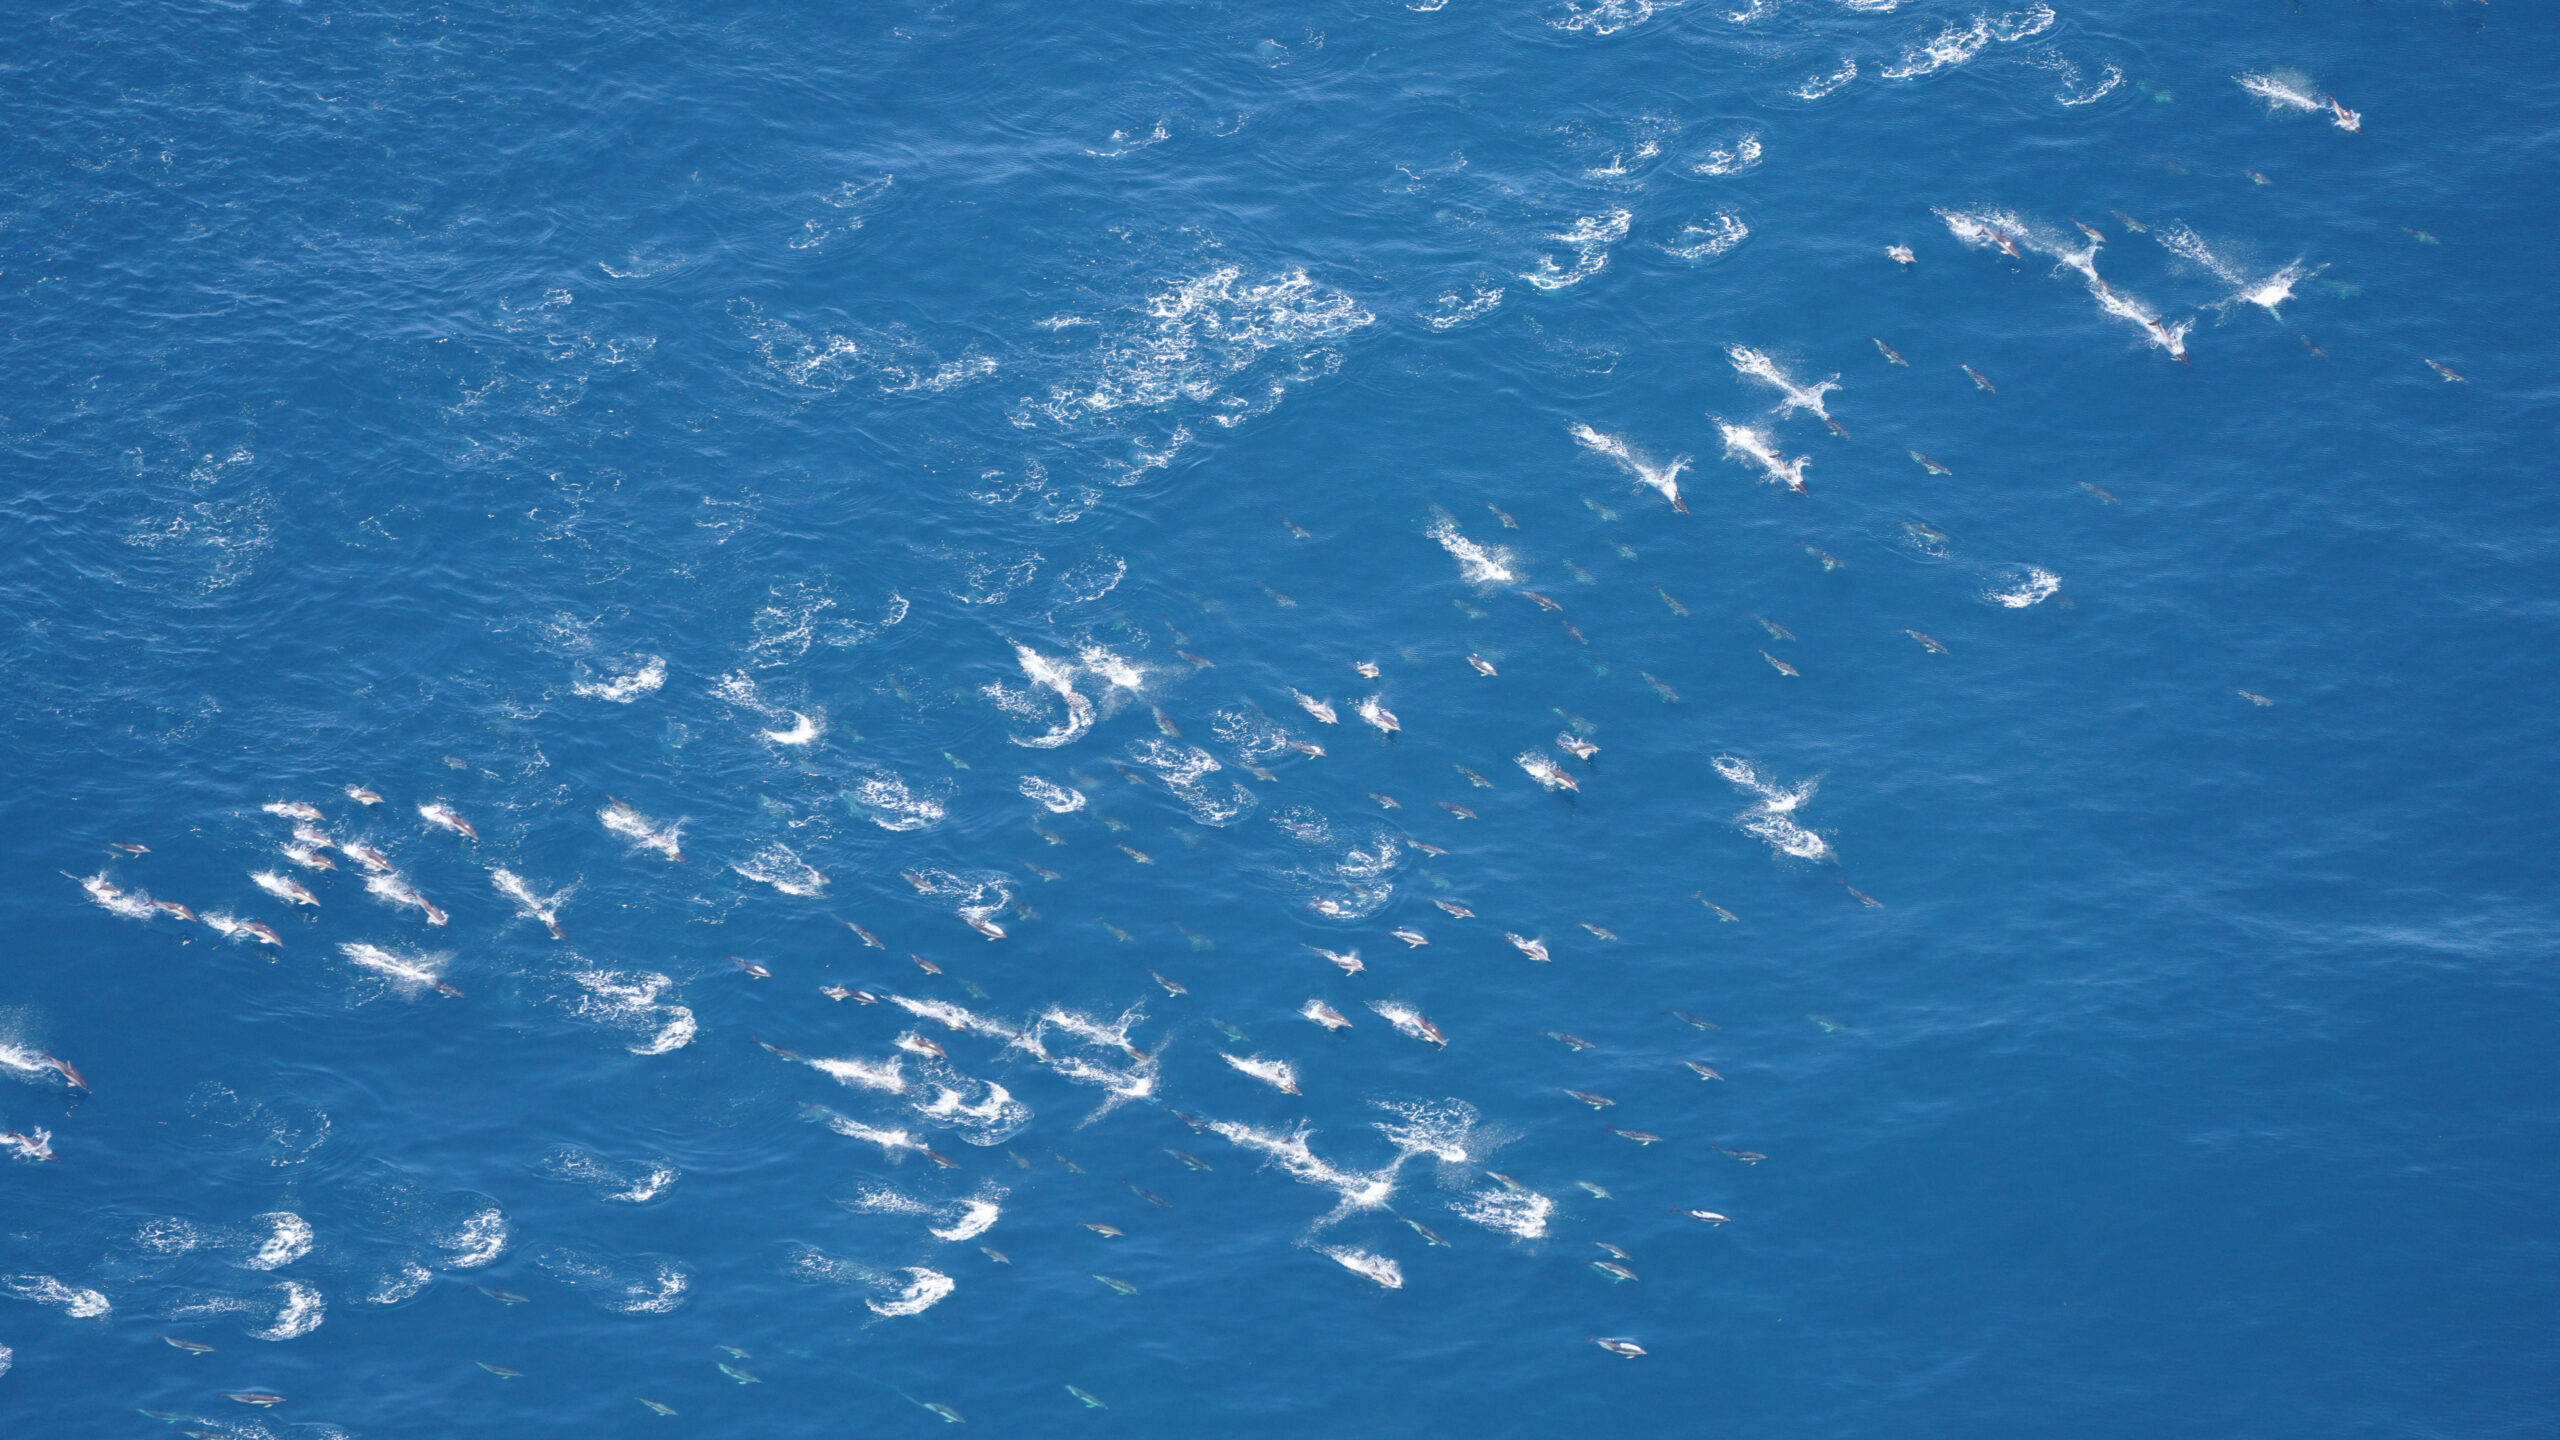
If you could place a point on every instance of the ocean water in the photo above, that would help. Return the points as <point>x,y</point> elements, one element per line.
<point>926,475</point>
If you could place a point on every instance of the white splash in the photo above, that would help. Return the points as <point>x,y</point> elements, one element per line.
<point>637,1183</point>
<point>881,1200</point>
<point>1709,238</point>
<point>624,689</point>
<point>1755,365</point>
<point>288,1239</point>
<point>1445,1130</point>
<point>79,1304</point>
<point>1184,770</point>
<point>531,904</point>
<point>398,1285</point>
<point>1119,673</point>
<point>1353,871</point>
<point>1202,335</point>
<point>1816,87</point>
<point>2006,231</point>
<point>26,1064</point>
<point>648,1184</point>
<point>990,1119</point>
<point>812,1266</point>
<point>2267,294</point>
<point>1379,1268</point>
<point>1120,1082</point>
<point>1355,1189</point>
<point>642,1285</point>
<point>978,1215</point>
<point>116,901</point>
<point>1956,45</point>
<point>1278,1074</point>
<point>630,1002</point>
<point>477,1239</point>
<point>2172,338</point>
<point>980,1111</point>
<point>1648,147</point>
<point>299,1311</point>
<point>657,1292</point>
<point>1542,768</point>
<point>805,728</point>
<point>782,868</point>
<point>1092,579</point>
<point>2282,91</point>
<point>1741,155</point>
<point>974,1216</point>
<point>410,975</point>
<point>2270,293</point>
<point>1772,818</point>
<point>1058,677</point>
<point>886,799</point>
<point>1589,237</point>
<point>1477,564</point>
<point>1058,798</point>
<point>2076,91</point>
<point>805,612</point>
<point>1451,309</point>
<point>740,689</point>
<point>979,897</point>
<point>1521,1214</point>
<point>887,1076</point>
<point>167,1235</point>
<point>1664,478</point>
<point>281,887</point>
<point>643,831</point>
<point>1757,446</point>
<point>393,889</point>
<point>1605,17</point>
<point>2025,585</point>
<point>1408,1021</point>
<point>951,1017</point>
<point>924,1289</point>
<point>891,1142</point>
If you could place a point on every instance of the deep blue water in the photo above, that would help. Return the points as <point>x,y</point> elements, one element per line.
<point>837,430</point>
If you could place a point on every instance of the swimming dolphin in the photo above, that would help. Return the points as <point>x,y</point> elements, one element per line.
<point>444,817</point>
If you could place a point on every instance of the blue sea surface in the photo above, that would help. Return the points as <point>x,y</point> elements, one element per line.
<point>946,661</point>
